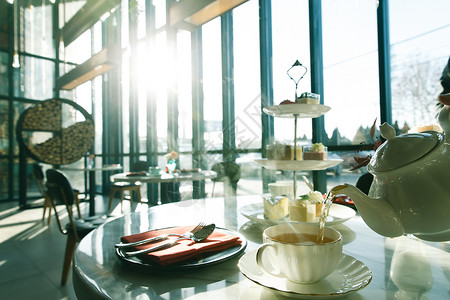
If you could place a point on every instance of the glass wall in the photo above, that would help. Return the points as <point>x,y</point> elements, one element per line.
<point>351,79</point>
<point>151,93</point>
<point>420,49</point>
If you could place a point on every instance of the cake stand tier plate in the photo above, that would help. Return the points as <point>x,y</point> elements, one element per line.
<point>298,165</point>
<point>299,110</point>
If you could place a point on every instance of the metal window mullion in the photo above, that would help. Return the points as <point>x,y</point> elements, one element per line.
<point>316,53</point>
<point>112,136</point>
<point>198,127</point>
<point>228,122</point>
<point>266,70</point>
<point>152,136</point>
<point>384,61</point>
<point>133,84</point>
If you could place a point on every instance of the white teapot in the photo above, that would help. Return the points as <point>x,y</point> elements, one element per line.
<point>410,192</point>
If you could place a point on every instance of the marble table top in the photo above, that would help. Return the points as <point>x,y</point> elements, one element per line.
<point>401,268</point>
<point>164,177</point>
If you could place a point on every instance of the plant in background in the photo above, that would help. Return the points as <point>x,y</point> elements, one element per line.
<point>171,161</point>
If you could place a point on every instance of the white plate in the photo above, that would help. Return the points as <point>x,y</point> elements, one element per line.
<point>338,214</point>
<point>298,165</point>
<point>299,110</point>
<point>350,276</point>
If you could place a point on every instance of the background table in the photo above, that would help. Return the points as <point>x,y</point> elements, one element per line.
<point>98,273</point>
<point>91,174</point>
<point>169,183</point>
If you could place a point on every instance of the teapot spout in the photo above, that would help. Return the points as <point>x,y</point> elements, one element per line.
<point>377,213</point>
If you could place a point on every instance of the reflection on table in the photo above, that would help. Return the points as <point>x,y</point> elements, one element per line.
<point>169,183</point>
<point>401,267</point>
<point>91,174</point>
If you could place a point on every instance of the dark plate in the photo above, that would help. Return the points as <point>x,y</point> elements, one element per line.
<point>203,260</point>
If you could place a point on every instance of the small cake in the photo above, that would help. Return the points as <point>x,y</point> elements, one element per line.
<point>315,198</point>
<point>276,207</point>
<point>308,98</point>
<point>302,211</point>
<point>315,152</point>
<point>279,151</point>
<point>287,102</point>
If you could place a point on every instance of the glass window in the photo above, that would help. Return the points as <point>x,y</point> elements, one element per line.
<point>4,174</point>
<point>184,87</point>
<point>351,84</point>
<point>144,85</point>
<point>4,127</point>
<point>79,50</point>
<point>420,49</point>
<point>34,78</point>
<point>212,84</point>
<point>38,35</point>
<point>161,65</point>
<point>290,37</point>
<point>67,9</point>
<point>4,83</point>
<point>247,89</point>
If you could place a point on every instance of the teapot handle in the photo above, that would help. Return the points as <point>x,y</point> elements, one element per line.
<point>444,120</point>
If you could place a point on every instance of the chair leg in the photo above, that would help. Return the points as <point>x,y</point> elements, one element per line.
<point>111,196</point>
<point>47,204</point>
<point>70,249</point>
<point>138,191</point>
<point>212,193</point>
<point>77,203</point>
<point>121,199</point>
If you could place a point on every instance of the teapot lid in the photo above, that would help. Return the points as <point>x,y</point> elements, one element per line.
<point>401,150</point>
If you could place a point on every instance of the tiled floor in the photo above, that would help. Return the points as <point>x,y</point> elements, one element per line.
<point>32,252</point>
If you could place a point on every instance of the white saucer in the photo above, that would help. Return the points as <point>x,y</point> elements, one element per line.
<point>338,214</point>
<point>350,276</point>
<point>296,165</point>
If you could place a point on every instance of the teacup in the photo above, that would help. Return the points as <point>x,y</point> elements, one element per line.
<point>154,170</point>
<point>281,189</point>
<point>291,251</point>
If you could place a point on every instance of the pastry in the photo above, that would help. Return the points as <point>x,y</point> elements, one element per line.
<point>279,151</point>
<point>308,98</point>
<point>276,207</point>
<point>302,211</point>
<point>315,152</point>
<point>315,198</point>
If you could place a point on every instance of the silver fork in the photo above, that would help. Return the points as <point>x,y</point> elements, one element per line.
<point>162,237</point>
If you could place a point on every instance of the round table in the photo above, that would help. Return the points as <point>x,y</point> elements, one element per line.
<point>99,274</point>
<point>169,182</point>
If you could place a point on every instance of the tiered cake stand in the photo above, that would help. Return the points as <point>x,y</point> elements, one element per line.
<point>295,111</point>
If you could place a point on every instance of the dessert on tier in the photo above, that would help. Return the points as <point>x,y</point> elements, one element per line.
<point>275,207</point>
<point>280,151</point>
<point>308,98</point>
<point>305,98</point>
<point>306,208</point>
<point>316,151</point>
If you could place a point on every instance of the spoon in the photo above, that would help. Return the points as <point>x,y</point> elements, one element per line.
<point>308,183</point>
<point>161,237</point>
<point>198,236</point>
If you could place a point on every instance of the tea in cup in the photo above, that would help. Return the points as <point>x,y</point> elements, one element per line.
<point>291,251</point>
